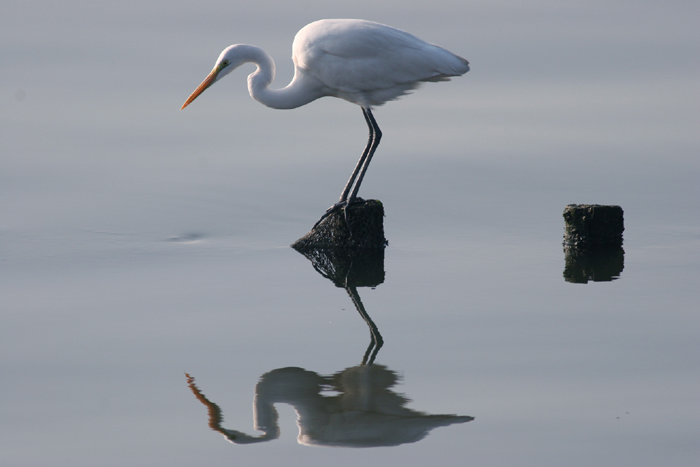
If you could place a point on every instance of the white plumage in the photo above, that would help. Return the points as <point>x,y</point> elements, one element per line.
<point>363,62</point>
<point>369,63</point>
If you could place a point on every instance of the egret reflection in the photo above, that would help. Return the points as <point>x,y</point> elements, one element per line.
<point>355,407</point>
<point>361,411</point>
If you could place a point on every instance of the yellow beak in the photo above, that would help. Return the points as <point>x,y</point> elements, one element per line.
<point>208,81</point>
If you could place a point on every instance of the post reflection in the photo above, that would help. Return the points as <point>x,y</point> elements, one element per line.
<point>355,407</point>
<point>600,264</point>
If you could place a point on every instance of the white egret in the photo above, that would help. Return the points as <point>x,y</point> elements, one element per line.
<point>363,62</point>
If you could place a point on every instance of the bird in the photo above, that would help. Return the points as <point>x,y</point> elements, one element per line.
<point>363,62</point>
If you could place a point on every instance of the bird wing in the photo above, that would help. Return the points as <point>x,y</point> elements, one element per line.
<point>370,59</point>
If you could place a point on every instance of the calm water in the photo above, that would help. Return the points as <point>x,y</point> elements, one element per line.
<point>139,244</point>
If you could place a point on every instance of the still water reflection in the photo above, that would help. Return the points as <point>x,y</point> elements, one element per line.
<point>363,412</point>
<point>355,407</point>
<point>596,264</point>
<point>349,269</point>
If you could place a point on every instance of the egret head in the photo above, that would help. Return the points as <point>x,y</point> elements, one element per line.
<point>230,59</point>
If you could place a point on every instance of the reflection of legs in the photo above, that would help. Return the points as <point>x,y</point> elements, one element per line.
<point>376,341</point>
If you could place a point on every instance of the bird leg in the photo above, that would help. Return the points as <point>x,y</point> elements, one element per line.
<point>363,158</point>
<point>375,136</point>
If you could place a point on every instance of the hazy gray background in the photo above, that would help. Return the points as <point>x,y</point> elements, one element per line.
<point>138,241</point>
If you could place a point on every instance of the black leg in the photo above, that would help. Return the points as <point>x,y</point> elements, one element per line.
<point>354,182</point>
<point>363,158</point>
<point>375,137</point>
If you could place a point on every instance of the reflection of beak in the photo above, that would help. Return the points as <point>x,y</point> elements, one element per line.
<point>208,81</point>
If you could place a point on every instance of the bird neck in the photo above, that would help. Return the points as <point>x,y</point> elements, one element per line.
<point>299,92</point>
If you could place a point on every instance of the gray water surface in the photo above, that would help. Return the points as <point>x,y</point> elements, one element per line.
<point>139,243</point>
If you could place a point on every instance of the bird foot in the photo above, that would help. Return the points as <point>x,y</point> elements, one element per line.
<point>338,206</point>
